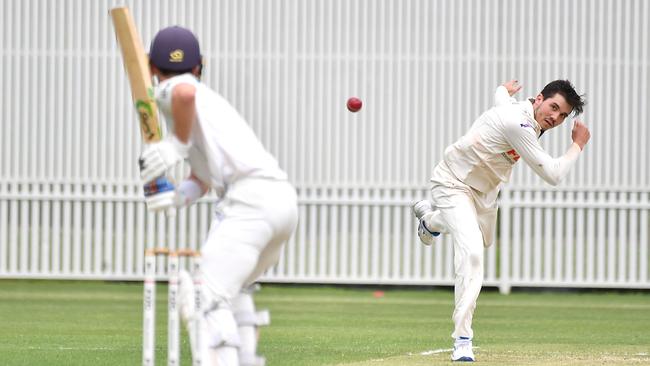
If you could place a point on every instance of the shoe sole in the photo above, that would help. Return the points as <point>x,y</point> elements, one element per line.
<point>464,359</point>
<point>424,227</point>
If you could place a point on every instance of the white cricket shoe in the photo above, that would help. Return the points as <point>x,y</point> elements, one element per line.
<point>420,209</point>
<point>462,350</point>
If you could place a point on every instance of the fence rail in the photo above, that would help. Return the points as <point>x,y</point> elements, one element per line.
<point>357,235</point>
<point>575,238</point>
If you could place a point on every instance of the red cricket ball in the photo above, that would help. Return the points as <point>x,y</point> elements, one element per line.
<point>354,104</point>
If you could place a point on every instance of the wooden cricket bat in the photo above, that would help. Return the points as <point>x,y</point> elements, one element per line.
<point>137,68</point>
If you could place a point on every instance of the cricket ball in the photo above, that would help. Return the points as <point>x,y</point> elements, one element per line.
<point>354,104</point>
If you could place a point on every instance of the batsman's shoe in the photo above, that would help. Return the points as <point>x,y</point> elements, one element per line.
<point>420,209</point>
<point>463,350</point>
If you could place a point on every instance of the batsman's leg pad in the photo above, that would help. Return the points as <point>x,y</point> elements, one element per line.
<point>221,325</point>
<point>248,321</point>
<point>219,339</point>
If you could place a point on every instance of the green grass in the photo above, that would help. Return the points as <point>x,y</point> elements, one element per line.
<point>95,323</point>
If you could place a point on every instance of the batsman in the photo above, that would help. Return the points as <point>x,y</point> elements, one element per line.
<point>257,210</point>
<point>465,184</point>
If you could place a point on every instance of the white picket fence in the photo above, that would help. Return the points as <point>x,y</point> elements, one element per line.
<point>70,202</point>
<point>575,238</point>
<point>345,235</point>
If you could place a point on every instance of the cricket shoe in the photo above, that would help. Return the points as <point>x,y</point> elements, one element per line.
<point>420,209</point>
<point>462,350</point>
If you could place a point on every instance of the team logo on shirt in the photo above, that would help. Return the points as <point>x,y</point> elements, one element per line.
<point>526,124</point>
<point>511,155</point>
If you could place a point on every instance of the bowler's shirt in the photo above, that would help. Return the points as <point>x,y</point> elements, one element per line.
<point>483,158</point>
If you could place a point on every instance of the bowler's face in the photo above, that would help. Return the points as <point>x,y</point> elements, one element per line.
<point>552,111</point>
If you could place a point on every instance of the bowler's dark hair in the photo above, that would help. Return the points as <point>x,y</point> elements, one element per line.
<point>564,88</point>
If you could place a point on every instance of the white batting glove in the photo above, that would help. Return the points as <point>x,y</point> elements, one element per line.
<point>160,195</point>
<point>188,192</point>
<point>158,157</point>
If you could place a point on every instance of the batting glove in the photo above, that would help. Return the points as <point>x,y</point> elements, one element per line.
<point>160,195</point>
<point>188,192</point>
<point>158,157</point>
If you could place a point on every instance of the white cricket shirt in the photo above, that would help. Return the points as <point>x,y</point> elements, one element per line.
<point>483,158</point>
<point>224,147</point>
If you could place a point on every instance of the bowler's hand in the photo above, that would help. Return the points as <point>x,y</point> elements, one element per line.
<point>580,134</point>
<point>512,86</point>
<point>160,156</point>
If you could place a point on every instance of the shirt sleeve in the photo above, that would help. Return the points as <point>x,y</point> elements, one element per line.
<point>523,139</point>
<point>502,97</point>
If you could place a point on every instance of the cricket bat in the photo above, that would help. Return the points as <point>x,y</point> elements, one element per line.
<point>137,68</point>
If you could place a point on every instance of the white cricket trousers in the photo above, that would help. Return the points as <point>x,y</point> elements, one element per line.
<point>470,218</point>
<point>254,219</point>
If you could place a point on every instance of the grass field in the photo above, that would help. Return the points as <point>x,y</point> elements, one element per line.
<point>95,323</point>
